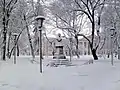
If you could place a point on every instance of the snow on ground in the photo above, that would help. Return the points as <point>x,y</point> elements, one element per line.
<point>26,76</point>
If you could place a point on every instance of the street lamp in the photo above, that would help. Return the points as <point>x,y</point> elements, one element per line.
<point>112,31</point>
<point>40,20</point>
<point>15,44</point>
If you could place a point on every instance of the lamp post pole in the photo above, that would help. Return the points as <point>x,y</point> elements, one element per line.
<point>40,20</point>
<point>112,35</point>
<point>111,50</point>
<point>15,36</point>
<point>70,49</point>
<point>118,52</point>
<point>119,47</point>
<point>40,45</point>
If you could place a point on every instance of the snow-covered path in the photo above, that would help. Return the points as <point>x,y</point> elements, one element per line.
<point>26,76</point>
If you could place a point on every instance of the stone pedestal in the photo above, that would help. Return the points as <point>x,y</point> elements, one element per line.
<point>59,53</point>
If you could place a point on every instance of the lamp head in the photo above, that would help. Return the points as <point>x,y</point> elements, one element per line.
<point>40,20</point>
<point>15,34</point>
<point>112,30</point>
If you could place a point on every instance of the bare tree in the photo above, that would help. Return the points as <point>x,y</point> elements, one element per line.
<point>91,8</point>
<point>37,10</point>
<point>7,6</point>
<point>23,17</point>
<point>69,21</point>
<point>111,20</point>
<point>29,37</point>
<point>27,17</point>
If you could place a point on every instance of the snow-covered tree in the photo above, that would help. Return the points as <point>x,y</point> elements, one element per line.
<point>6,7</point>
<point>71,15</point>
<point>70,22</point>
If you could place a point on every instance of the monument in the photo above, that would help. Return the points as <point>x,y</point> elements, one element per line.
<point>59,57</point>
<point>59,48</point>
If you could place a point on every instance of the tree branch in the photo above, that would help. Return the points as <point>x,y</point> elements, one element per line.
<point>78,4</point>
<point>96,4</point>
<point>84,37</point>
<point>103,43</point>
<point>90,14</point>
<point>62,19</point>
<point>85,13</point>
<point>8,5</point>
<point>91,4</point>
<point>87,7</point>
<point>98,41</point>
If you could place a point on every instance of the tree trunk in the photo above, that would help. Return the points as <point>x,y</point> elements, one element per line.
<point>8,44</point>
<point>30,41</point>
<point>4,33</point>
<point>94,54</point>
<point>77,41</point>
<point>38,46</point>
<point>18,50</point>
<point>4,46</point>
<point>53,52</point>
<point>70,50</point>
<point>108,55</point>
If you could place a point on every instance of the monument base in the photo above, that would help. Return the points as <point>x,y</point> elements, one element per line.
<point>57,56</point>
<point>59,60</point>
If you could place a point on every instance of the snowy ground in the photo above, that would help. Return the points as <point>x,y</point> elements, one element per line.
<point>26,76</point>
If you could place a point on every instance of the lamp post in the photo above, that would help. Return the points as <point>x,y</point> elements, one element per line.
<point>112,30</point>
<point>15,44</point>
<point>70,48</point>
<point>40,20</point>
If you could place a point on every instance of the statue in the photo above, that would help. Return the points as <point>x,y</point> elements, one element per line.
<point>59,58</point>
<point>59,40</point>
<point>59,48</point>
